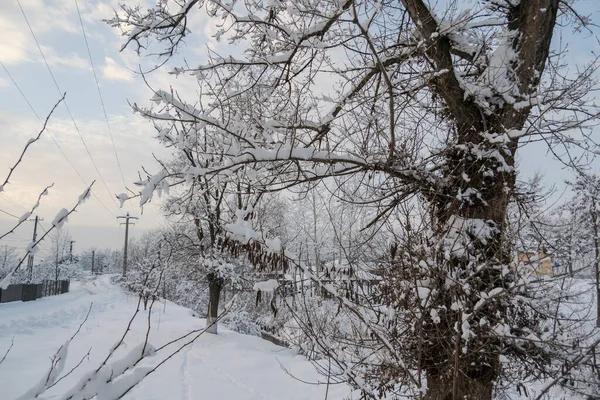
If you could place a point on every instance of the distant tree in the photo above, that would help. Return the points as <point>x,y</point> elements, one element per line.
<point>8,260</point>
<point>586,206</point>
<point>97,261</point>
<point>145,278</point>
<point>199,237</point>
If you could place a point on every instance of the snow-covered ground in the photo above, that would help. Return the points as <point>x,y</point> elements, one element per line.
<point>224,366</point>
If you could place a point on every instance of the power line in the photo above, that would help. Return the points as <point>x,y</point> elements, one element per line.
<point>7,213</point>
<point>52,136</point>
<point>66,105</point>
<point>12,201</point>
<point>39,118</point>
<point>41,226</point>
<point>16,242</point>
<point>100,95</point>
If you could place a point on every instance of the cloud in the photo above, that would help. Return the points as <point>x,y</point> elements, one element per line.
<point>15,46</point>
<point>44,164</point>
<point>70,60</point>
<point>115,72</point>
<point>44,19</point>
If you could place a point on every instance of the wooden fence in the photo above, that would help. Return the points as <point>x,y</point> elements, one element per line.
<point>32,291</point>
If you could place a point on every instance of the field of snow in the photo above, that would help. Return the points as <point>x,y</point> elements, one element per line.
<point>224,366</point>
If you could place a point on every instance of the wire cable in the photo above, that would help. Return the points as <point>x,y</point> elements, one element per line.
<point>7,213</point>
<point>51,136</point>
<point>66,105</point>
<point>42,227</point>
<point>100,95</point>
<point>12,201</point>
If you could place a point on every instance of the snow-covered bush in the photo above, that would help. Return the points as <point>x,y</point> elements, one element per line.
<point>242,322</point>
<point>47,270</point>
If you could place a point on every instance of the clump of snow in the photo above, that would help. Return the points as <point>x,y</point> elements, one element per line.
<point>273,245</point>
<point>241,229</point>
<point>266,286</point>
<point>435,316</point>
<point>32,248</point>
<point>24,216</point>
<point>156,182</point>
<point>6,281</point>
<point>61,218</point>
<point>423,294</point>
<point>58,364</point>
<point>122,197</point>
<point>85,195</point>
<point>459,239</point>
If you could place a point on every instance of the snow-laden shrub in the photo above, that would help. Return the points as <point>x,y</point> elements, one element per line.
<point>186,293</point>
<point>242,322</point>
<point>65,270</point>
<point>327,320</point>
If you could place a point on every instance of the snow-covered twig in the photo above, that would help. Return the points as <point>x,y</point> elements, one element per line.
<point>12,342</point>
<point>58,221</point>
<point>29,213</point>
<point>199,332</point>
<point>110,377</point>
<point>572,364</point>
<point>56,367</point>
<point>86,355</point>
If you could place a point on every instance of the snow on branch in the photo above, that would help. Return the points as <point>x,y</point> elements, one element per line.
<point>28,213</point>
<point>58,221</point>
<point>57,365</point>
<point>113,380</point>
<point>338,164</point>
<point>136,25</point>
<point>61,218</point>
<point>268,286</point>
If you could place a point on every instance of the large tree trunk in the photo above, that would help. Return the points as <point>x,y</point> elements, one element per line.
<point>446,387</point>
<point>215,284</point>
<point>470,221</point>
<point>469,214</point>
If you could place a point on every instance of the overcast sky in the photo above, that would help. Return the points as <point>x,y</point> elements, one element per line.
<point>57,28</point>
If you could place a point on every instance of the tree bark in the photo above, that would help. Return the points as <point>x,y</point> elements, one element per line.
<point>439,387</point>
<point>469,212</point>
<point>215,284</point>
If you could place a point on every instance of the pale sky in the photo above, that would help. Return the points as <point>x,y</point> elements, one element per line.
<point>58,31</point>
<point>57,28</point>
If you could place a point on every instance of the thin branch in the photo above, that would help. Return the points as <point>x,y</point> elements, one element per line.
<point>30,142</point>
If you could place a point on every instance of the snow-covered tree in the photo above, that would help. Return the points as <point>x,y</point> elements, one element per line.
<point>586,205</point>
<point>416,100</point>
<point>8,259</point>
<point>99,261</point>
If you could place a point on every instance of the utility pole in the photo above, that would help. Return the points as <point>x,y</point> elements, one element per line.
<point>30,258</point>
<point>127,218</point>
<point>71,251</point>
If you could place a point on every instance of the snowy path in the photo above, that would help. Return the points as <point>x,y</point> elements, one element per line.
<point>225,366</point>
